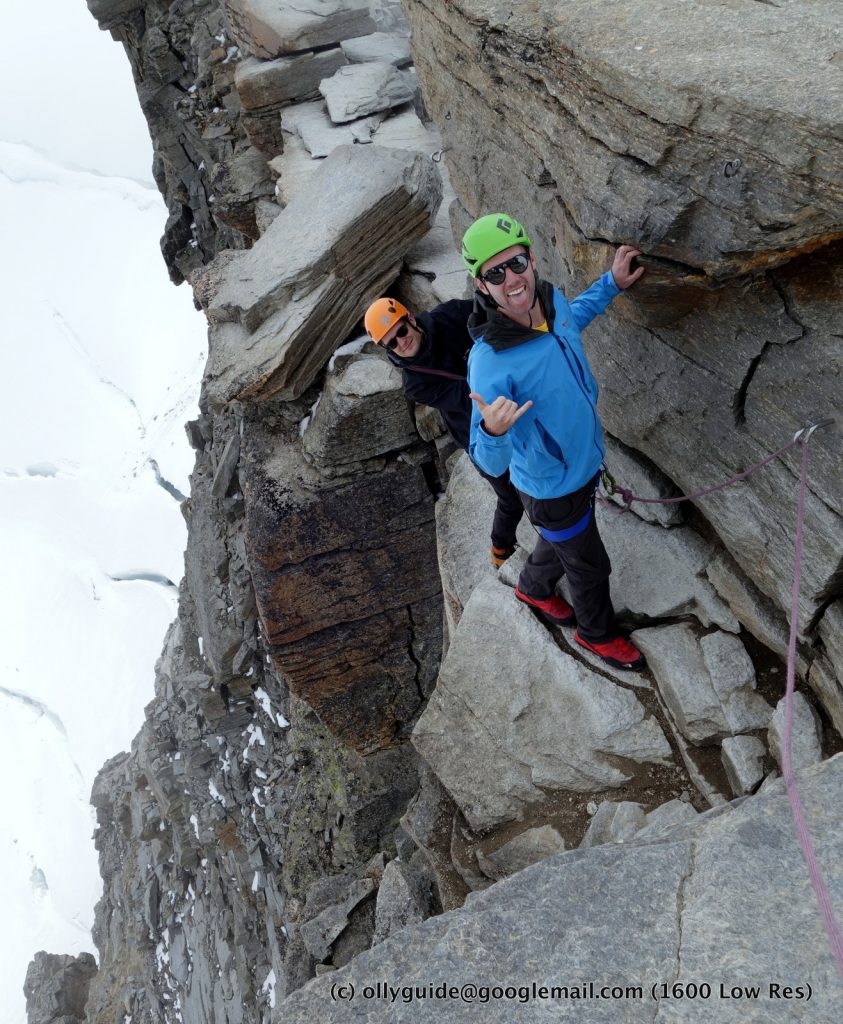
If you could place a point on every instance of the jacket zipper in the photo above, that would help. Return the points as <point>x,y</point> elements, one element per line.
<point>582,388</point>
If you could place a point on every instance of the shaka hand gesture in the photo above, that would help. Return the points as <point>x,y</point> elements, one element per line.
<point>500,415</point>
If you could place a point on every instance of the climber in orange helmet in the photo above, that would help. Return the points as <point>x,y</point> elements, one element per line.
<point>431,350</point>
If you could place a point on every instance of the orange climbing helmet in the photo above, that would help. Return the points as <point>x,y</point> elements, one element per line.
<point>382,315</point>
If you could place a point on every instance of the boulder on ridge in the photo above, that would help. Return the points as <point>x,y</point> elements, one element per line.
<point>282,307</point>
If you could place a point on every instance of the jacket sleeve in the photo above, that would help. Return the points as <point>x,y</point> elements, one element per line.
<point>492,454</point>
<point>594,300</point>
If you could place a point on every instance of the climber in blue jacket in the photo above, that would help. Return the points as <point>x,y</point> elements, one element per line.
<point>535,413</point>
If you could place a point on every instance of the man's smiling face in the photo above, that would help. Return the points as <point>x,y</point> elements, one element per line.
<point>516,294</point>
<point>406,336</point>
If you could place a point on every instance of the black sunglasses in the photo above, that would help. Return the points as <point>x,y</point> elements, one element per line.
<point>517,264</point>
<point>402,332</point>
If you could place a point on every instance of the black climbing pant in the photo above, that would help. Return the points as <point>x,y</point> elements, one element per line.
<point>582,558</point>
<point>508,511</point>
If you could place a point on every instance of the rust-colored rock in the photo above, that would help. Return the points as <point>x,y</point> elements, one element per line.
<point>341,587</point>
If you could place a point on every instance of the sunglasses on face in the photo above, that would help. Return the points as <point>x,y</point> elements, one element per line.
<point>497,275</point>
<point>402,332</point>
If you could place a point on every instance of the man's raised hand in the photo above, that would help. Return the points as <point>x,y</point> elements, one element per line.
<point>622,270</point>
<point>500,415</point>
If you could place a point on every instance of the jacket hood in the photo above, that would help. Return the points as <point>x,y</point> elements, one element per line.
<point>497,330</point>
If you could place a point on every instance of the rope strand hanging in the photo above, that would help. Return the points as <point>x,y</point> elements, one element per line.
<point>802,436</point>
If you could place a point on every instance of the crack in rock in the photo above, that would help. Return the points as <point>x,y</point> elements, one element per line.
<point>680,910</point>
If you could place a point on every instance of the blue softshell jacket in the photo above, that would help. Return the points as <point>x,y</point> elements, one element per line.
<point>556,447</point>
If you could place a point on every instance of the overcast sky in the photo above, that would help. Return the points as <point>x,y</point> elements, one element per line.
<point>102,359</point>
<point>68,90</point>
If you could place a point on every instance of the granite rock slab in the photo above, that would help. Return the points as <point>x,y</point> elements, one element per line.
<point>743,758</point>
<point>806,739</point>
<point>310,121</point>
<point>708,683</point>
<point>357,90</point>
<point>530,719</point>
<point>393,47</point>
<point>269,29</point>
<point>660,573</point>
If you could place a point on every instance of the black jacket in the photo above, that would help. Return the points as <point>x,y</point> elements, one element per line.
<point>445,346</point>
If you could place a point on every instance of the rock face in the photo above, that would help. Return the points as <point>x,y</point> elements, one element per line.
<point>644,480</point>
<point>56,988</point>
<point>345,597</point>
<point>362,89</point>
<point>826,676</point>
<point>604,142</point>
<point>624,914</point>
<point>723,208</point>
<point>282,308</point>
<point>268,87</point>
<point>213,833</point>
<point>183,61</point>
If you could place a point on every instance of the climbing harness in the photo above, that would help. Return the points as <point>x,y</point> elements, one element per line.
<point>569,532</point>
<point>802,436</point>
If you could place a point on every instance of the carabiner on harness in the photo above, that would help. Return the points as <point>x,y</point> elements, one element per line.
<point>609,483</point>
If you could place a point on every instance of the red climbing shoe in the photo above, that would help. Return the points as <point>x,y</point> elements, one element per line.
<point>554,609</point>
<point>618,652</point>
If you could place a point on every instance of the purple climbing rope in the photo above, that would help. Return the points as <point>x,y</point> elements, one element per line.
<point>629,497</point>
<point>832,927</point>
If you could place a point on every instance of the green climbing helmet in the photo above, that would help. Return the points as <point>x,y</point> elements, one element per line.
<point>488,236</point>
